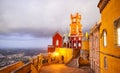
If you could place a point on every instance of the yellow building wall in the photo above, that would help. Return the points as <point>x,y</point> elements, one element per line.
<point>109,14</point>
<point>66,52</point>
<point>113,64</point>
<point>85,45</point>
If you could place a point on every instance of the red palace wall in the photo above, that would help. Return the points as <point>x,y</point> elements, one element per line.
<point>51,48</point>
<point>75,40</point>
<point>56,37</point>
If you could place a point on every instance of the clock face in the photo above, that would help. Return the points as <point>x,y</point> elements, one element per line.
<point>74,20</point>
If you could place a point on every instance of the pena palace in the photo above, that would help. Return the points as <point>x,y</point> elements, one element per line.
<point>74,38</point>
<point>99,50</point>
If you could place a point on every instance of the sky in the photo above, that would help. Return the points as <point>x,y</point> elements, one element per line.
<point>31,23</point>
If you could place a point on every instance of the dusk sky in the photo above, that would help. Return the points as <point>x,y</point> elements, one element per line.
<point>31,23</point>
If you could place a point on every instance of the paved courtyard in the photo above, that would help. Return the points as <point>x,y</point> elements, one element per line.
<point>61,68</point>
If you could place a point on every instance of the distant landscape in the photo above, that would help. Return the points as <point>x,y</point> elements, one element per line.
<point>9,56</point>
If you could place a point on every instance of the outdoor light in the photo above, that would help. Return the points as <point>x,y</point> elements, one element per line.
<point>55,54</point>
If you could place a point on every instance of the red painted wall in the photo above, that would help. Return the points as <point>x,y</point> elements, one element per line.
<point>75,39</point>
<point>51,48</point>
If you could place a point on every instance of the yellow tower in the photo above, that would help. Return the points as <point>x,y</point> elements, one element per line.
<point>75,34</point>
<point>75,26</point>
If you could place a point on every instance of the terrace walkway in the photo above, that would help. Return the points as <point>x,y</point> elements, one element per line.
<point>71,67</point>
<point>62,68</point>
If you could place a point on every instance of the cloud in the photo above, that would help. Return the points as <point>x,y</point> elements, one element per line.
<point>24,41</point>
<point>31,23</point>
<point>44,17</point>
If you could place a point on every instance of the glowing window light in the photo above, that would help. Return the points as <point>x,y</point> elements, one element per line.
<point>55,54</point>
<point>74,44</point>
<point>105,38</point>
<point>79,44</point>
<point>118,30</point>
<point>57,42</point>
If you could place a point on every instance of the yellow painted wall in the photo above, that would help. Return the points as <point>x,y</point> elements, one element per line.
<point>109,14</point>
<point>113,64</point>
<point>10,68</point>
<point>85,45</point>
<point>73,29</point>
<point>66,52</point>
<point>29,67</point>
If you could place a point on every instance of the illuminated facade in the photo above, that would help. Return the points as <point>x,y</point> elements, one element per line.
<point>57,42</point>
<point>109,36</point>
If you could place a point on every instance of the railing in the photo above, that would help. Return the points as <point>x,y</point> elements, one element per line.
<point>31,67</point>
<point>35,64</point>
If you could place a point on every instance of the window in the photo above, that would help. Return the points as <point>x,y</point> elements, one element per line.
<point>74,20</point>
<point>57,42</point>
<point>105,62</point>
<point>117,31</point>
<point>79,38</point>
<point>74,44</point>
<point>74,38</point>
<point>96,42</point>
<point>79,44</point>
<point>104,38</point>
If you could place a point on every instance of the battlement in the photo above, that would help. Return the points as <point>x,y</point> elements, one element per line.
<point>75,18</point>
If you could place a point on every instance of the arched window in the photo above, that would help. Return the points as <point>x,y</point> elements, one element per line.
<point>79,38</point>
<point>117,31</point>
<point>105,62</point>
<point>57,42</point>
<point>118,36</point>
<point>74,44</point>
<point>74,38</point>
<point>79,44</point>
<point>104,38</point>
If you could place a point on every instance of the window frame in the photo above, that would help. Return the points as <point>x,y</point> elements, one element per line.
<point>79,44</point>
<point>104,39</point>
<point>105,62</point>
<point>116,27</point>
<point>57,42</point>
<point>75,44</point>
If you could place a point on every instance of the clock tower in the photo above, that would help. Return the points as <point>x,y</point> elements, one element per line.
<point>75,26</point>
<point>75,34</point>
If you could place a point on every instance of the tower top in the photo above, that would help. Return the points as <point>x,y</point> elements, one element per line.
<point>75,18</point>
<point>75,26</point>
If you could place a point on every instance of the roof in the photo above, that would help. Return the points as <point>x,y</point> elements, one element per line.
<point>58,34</point>
<point>102,4</point>
<point>95,26</point>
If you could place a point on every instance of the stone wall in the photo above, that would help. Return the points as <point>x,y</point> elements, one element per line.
<point>10,68</point>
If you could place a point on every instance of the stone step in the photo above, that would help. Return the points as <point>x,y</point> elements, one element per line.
<point>73,63</point>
